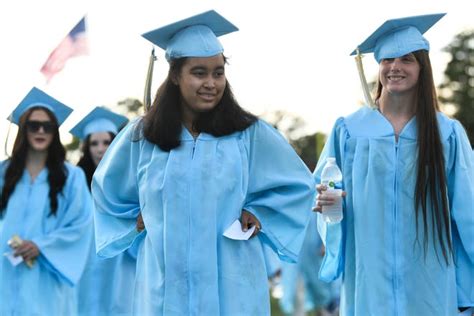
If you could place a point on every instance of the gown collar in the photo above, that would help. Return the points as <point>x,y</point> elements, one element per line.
<point>369,122</point>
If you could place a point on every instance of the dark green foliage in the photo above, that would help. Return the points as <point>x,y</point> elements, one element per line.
<point>457,89</point>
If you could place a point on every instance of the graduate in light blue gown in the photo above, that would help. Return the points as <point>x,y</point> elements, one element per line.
<point>106,286</point>
<point>409,178</point>
<point>46,204</point>
<point>193,165</point>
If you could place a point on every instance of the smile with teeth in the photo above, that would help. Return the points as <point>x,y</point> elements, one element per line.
<point>395,78</point>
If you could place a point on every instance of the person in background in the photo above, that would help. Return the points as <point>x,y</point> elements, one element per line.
<point>45,215</point>
<point>106,287</point>
<point>96,131</point>
<point>193,165</point>
<point>409,179</point>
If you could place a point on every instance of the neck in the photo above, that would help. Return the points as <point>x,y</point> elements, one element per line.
<point>35,162</point>
<point>397,105</point>
<point>398,109</point>
<point>188,119</point>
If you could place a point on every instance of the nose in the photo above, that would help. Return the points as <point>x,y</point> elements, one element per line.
<point>210,83</point>
<point>395,65</point>
<point>102,148</point>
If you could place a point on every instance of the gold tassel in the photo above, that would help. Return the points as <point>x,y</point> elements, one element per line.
<point>149,78</point>
<point>363,81</point>
<point>10,118</point>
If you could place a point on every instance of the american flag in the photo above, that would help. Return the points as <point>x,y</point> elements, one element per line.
<point>74,44</point>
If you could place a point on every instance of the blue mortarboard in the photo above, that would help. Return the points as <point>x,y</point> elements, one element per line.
<point>192,37</point>
<point>398,37</point>
<point>36,97</point>
<point>99,120</point>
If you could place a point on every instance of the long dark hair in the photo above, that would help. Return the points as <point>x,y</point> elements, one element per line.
<point>86,162</point>
<point>162,124</point>
<point>57,172</point>
<point>431,177</point>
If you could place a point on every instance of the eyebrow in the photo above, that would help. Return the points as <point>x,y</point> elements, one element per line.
<point>201,67</point>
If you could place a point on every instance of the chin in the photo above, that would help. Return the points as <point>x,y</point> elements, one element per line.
<point>39,149</point>
<point>206,107</point>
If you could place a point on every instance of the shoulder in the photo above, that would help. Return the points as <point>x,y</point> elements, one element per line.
<point>448,127</point>
<point>74,173</point>
<point>366,122</point>
<point>260,127</point>
<point>261,130</point>
<point>130,136</point>
<point>133,131</point>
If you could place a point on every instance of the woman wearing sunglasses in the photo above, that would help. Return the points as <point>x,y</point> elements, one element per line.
<point>45,215</point>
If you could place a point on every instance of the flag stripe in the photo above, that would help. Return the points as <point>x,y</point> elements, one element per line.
<point>74,44</point>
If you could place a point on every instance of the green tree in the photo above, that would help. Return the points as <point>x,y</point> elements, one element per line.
<point>308,147</point>
<point>131,107</point>
<point>457,89</point>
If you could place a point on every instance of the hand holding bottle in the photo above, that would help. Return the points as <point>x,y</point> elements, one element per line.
<point>330,194</point>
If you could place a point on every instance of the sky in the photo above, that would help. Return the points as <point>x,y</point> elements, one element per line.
<point>288,55</point>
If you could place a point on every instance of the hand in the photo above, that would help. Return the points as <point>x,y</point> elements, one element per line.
<point>28,250</point>
<point>322,251</point>
<point>323,199</point>
<point>140,226</point>
<point>248,220</point>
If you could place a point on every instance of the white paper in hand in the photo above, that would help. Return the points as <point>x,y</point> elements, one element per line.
<point>13,260</point>
<point>235,231</point>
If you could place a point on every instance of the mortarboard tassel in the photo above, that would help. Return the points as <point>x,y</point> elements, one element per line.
<point>149,79</point>
<point>363,80</point>
<point>8,136</point>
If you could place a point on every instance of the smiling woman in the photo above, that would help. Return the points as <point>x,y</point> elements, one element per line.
<point>201,83</point>
<point>409,178</point>
<point>192,166</point>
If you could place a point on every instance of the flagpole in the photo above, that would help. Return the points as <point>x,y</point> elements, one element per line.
<point>149,77</point>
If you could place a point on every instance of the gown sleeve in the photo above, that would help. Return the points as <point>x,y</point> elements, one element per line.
<point>280,191</point>
<point>461,197</point>
<point>332,234</point>
<point>64,250</point>
<point>115,192</point>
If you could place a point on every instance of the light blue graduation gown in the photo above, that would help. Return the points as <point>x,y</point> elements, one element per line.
<point>385,271</point>
<point>464,271</point>
<point>188,198</point>
<point>106,286</point>
<point>272,261</point>
<point>317,293</point>
<point>63,241</point>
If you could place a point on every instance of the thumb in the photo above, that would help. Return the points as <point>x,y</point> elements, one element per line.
<point>244,222</point>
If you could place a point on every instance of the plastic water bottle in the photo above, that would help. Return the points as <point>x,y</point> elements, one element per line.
<point>331,176</point>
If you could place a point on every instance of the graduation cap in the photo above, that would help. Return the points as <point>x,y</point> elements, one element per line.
<point>195,36</point>
<point>395,38</point>
<point>35,98</point>
<point>398,37</point>
<point>98,120</point>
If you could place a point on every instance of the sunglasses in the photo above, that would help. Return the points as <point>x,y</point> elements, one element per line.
<point>35,126</point>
